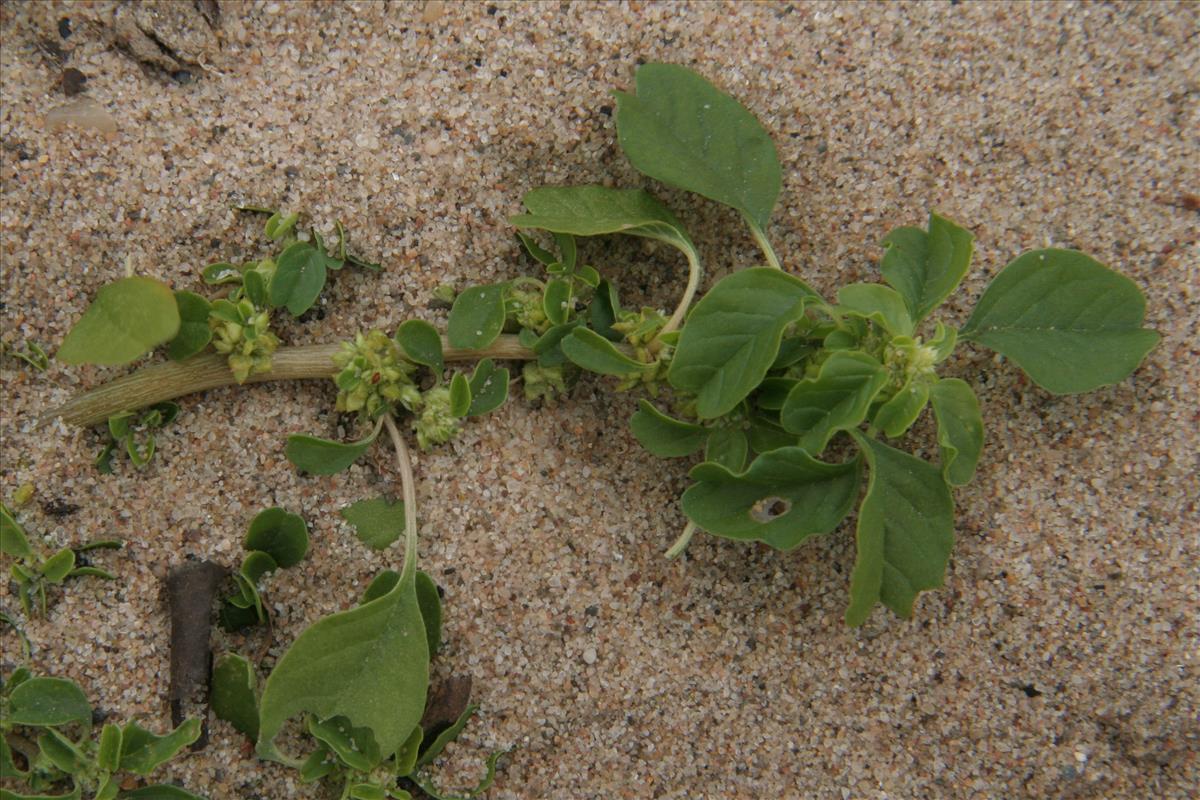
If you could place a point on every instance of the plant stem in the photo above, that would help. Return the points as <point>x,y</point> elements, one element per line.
<point>166,381</point>
<point>409,489</point>
<point>683,541</point>
<point>689,292</point>
<point>763,244</point>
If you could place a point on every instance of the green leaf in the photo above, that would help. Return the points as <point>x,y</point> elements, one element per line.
<point>61,752</point>
<point>256,564</point>
<point>8,767</point>
<point>299,278</point>
<point>58,566</point>
<point>254,284</point>
<point>1070,322</point>
<point>421,343</point>
<point>377,523</point>
<point>74,794</point>
<point>783,498</point>
<point>556,301</point>
<point>837,399</point>
<point>766,436</point>
<point>13,541</point>
<point>234,696</point>
<point>281,535</point>
<point>435,748</point>
<point>369,664</point>
<point>477,317</point>
<point>194,331</point>
<point>727,447</point>
<point>682,130</point>
<point>772,393</point>
<point>380,585</point>
<point>108,755</point>
<point>960,429</point>
<point>221,273</point>
<point>543,256</point>
<point>905,532</point>
<point>603,311</point>
<point>548,346</point>
<point>356,747</point>
<point>91,572</point>
<point>142,751</point>
<point>127,319</point>
<point>460,395</point>
<point>898,414</point>
<point>489,388</point>
<point>367,791</point>
<point>732,336</point>
<point>593,352</point>
<point>430,603</point>
<point>279,226</point>
<point>406,756</point>
<point>925,267</point>
<point>599,210</point>
<point>877,302</point>
<point>664,436</point>
<point>320,762</point>
<point>160,791</point>
<point>323,457</point>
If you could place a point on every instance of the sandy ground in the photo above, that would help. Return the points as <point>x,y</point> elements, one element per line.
<point>1060,660</point>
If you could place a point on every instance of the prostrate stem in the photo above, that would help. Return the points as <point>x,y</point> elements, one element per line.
<point>166,381</point>
<point>409,490</point>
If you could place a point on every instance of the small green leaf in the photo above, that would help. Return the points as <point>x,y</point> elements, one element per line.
<point>91,572</point>
<point>878,302</point>
<point>421,343</point>
<point>772,392</point>
<point>61,752</point>
<point>8,767</point>
<point>603,311</point>
<point>783,498</point>
<point>732,336</point>
<point>323,457</point>
<point>108,756</point>
<point>281,535</point>
<point>543,256</point>
<point>13,541</point>
<point>727,447</point>
<point>159,791</point>
<point>898,414</point>
<point>127,319</point>
<point>377,523</point>
<point>837,399</point>
<point>299,278</point>
<point>221,273</point>
<point>320,762</point>
<point>905,532</point>
<point>460,395</point>
<point>234,695</point>
<point>926,266</point>
<point>380,585</point>
<point>354,746</point>
<point>1070,322</point>
<point>430,603</point>
<point>477,317</point>
<point>194,331</point>
<point>599,210</point>
<point>435,748</point>
<point>489,388</point>
<point>548,346</point>
<point>143,751</point>
<point>682,130</point>
<point>369,664</point>
<point>279,226</point>
<point>664,436</point>
<point>254,284</point>
<point>44,702</point>
<point>960,429</point>
<point>366,791</point>
<point>556,301</point>
<point>406,756</point>
<point>257,564</point>
<point>56,567</point>
<point>593,352</point>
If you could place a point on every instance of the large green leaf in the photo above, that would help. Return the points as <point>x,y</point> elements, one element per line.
<point>837,399</point>
<point>299,277</point>
<point>377,523</point>
<point>194,330</point>
<point>234,697</point>
<point>682,130</point>
<point>783,498</point>
<point>1070,322</point>
<point>127,319</point>
<point>597,210</point>
<point>48,701</point>
<point>960,429</point>
<point>663,436</point>
<point>926,266</point>
<point>731,338</point>
<point>905,532</point>
<point>477,317</point>
<point>369,664</point>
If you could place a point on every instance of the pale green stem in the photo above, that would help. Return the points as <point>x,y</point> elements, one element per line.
<point>763,244</point>
<point>409,488</point>
<point>688,293</point>
<point>683,541</point>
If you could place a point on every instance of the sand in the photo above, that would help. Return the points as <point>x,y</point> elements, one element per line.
<point>1060,659</point>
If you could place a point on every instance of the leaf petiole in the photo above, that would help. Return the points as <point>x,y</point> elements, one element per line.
<point>683,541</point>
<point>760,239</point>
<point>409,490</point>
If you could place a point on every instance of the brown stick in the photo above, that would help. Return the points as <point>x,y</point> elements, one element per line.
<point>161,382</point>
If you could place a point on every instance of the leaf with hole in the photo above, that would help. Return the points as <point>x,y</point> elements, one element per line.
<point>128,319</point>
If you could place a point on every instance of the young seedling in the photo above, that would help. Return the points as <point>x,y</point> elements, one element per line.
<point>275,540</point>
<point>134,433</point>
<point>46,725</point>
<point>34,573</point>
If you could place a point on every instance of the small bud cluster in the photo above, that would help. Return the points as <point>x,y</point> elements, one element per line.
<point>435,424</point>
<point>374,377</point>
<point>243,333</point>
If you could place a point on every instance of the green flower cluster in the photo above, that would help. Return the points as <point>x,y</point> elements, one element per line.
<point>374,376</point>
<point>436,424</point>
<point>527,308</point>
<point>641,330</point>
<point>242,331</point>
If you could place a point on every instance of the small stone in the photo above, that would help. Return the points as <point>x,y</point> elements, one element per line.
<point>589,656</point>
<point>73,81</point>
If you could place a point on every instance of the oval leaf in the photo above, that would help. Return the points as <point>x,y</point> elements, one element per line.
<point>960,429</point>
<point>460,395</point>
<point>48,701</point>
<point>837,399</point>
<point>556,301</point>
<point>898,414</point>
<point>299,278</point>
<point>324,457</point>
<point>785,497</point>
<point>477,317</point>
<point>1070,322</point>
<point>194,331</point>
<point>905,532</point>
<point>234,697</point>
<point>421,343</point>
<point>127,319</point>
<point>279,534</point>
<point>926,266</point>
<point>731,338</point>
<point>878,302</point>
<point>682,130</point>
<point>489,388</point>
<point>377,523</point>
<point>593,352</point>
<point>665,436</point>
